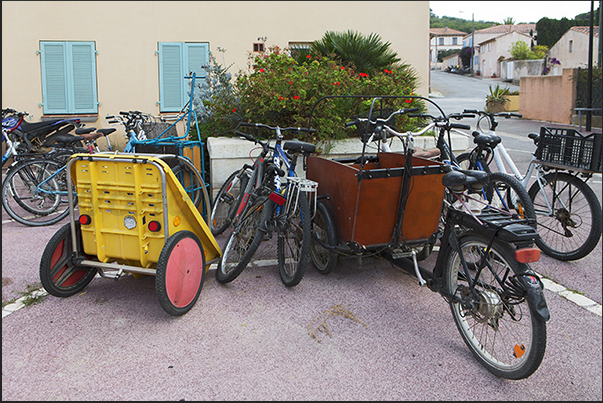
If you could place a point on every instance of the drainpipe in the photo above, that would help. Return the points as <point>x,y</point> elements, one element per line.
<point>589,80</point>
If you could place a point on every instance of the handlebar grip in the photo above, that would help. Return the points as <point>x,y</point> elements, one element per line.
<point>475,111</point>
<point>113,121</point>
<point>348,124</point>
<point>459,126</point>
<point>248,124</point>
<point>246,135</point>
<point>124,113</point>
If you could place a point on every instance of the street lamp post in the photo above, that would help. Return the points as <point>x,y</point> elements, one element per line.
<point>472,43</point>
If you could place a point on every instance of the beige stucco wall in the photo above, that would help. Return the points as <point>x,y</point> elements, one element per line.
<point>126,35</point>
<point>579,55</point>
<point>548,98</point>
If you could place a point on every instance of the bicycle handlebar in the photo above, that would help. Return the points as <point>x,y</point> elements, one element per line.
<point>380,120</point>
<point>282,129</point>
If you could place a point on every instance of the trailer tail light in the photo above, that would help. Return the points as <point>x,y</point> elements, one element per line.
<point>154,226</point>
<point>85,219</point>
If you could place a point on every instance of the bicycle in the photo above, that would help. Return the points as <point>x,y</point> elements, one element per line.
<point>45,184</point>
<point>266,206</point>
<point>569,218</point>
<point>34,190</point>
<point>482,268</point>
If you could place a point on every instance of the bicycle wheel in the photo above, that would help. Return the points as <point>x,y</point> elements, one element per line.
<point>508,194</point>
<point>180,273</point>
<point>293,242</point>
<point>572,228</point>
<point>190,182</point>
<point>323,232</point>
<point>227,201</point>
<point>59,275</point>
<point>500,325</point>
<point>243,241</point>
<point>34,193</point>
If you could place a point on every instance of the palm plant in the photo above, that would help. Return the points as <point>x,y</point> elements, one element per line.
<point>366,54</point>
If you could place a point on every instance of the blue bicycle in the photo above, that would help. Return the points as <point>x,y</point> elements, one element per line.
<point>267,205</point>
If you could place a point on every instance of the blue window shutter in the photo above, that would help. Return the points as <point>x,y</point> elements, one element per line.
<point>68,77</point>
<point>54,77</point>
<point>83,78</point>
<point>197,55</point>
<point>171,76</point>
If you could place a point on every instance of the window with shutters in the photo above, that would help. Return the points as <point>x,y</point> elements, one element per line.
<point>68,77</point>
<point>177,60</point>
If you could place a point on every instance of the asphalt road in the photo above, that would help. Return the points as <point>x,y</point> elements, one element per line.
<point>251,339</point>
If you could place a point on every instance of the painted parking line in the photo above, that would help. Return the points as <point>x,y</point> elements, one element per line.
<point>550,285</point>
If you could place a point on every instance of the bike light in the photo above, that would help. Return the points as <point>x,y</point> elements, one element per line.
<point>527,255</point>
<point>154,226</point>
<point>85,219</point>
<point>277,198</point>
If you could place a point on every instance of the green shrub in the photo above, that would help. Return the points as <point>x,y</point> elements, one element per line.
<point>282,92</point>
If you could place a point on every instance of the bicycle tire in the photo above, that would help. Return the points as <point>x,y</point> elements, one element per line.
<point>227,201</point>
<point>293,243</point>
<point>502,329</point>
<point>323,231</point>
<point>28,206</point>
<point>244,240</point>
<point>59,275</point>
<point>507,193</point>
<point>190,182</point>
<point>570,232</point>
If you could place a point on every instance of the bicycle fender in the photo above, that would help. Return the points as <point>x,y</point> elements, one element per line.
<point>534,290</point>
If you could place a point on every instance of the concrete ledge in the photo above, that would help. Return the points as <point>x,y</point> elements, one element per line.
<point>226,154</point>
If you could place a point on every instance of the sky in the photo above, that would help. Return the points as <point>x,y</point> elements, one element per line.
<point>520,11</point>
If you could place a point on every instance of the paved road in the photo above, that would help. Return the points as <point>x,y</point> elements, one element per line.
<point>249,340</point>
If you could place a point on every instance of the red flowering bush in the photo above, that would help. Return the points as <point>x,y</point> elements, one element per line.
<point>282,92</point>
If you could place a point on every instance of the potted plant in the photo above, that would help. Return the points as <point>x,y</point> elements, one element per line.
<point>497,99</point>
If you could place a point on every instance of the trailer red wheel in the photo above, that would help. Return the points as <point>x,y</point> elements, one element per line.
<point>59,274</point>
<point>180,273</point>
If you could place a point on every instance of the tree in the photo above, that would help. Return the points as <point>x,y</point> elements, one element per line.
<point>521,51</point>
<point>509,21</point>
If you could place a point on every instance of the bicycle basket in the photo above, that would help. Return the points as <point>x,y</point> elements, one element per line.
<point>568,148</point>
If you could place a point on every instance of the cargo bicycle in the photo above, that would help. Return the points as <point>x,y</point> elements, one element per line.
<point>482,268</point>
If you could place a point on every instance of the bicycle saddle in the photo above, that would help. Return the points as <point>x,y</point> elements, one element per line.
<point>459,180</point>
<point>296,146</point>
<point>487,140</point>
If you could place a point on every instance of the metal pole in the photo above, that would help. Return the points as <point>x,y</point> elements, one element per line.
<point>589,80</point>
<point>472,42</point>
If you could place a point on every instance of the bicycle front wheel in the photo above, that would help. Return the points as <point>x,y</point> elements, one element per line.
<point>508,194</point>
<point>34,193</point>
<point>243,241</point>
<point>498,323</point>
<point>571,228</point>
<point>227,201</point>
<point>294,238</point>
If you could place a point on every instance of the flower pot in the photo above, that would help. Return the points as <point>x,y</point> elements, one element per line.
<point>495,106</point>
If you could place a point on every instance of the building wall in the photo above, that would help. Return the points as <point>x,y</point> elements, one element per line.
<point>548,98</point>
<point>126,34</point>
<point>492,52</point>
<point>579,55</point>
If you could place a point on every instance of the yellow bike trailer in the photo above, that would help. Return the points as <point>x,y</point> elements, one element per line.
<point>134,216</point>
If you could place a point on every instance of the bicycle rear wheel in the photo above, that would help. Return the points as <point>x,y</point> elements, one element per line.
<point>243,241</point>
<point>572,228</point>
<point>34,193</point>
<point>500,325</point>
<point>294,238</point>
<point>227,201</point>
<point>323,232</point>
